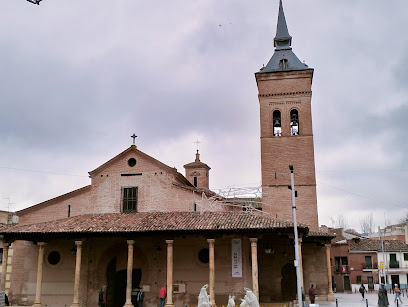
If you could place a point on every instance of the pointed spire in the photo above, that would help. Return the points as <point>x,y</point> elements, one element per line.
<point>282,39</point>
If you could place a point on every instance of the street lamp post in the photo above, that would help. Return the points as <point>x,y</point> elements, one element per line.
<point>296,262</point>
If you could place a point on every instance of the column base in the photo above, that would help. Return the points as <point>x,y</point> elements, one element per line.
<point>330,297</point>
<point>128,305</point>
<point>169,305</point>
<point>75,305</point>
<point>37,305</point>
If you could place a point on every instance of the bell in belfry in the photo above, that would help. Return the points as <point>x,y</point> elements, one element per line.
<point>294,119</point>
<point>276,121</point>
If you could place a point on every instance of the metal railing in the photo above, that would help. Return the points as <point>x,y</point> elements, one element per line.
<point>370,266</point>
<point>344,269</point>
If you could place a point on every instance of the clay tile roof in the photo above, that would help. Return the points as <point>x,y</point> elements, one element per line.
<point>152,222</point>
<point>320,234</point>
<point>375,245</point>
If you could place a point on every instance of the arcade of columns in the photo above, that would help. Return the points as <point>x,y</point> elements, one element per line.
<point>169,302</point>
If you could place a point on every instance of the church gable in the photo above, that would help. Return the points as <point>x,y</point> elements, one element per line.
<point>135,182</point>
<point>130,162</point>
<point>130,182</point>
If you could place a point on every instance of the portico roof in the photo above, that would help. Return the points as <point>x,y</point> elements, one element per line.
<point>151,222</point>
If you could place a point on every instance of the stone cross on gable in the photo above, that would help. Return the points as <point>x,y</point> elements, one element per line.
<point>134,136</point>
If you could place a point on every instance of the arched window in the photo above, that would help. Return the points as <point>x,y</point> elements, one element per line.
<point>277,124</point>
<point>294,122</point>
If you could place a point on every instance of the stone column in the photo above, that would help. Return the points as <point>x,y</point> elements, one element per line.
<point>254,258</point>
<point>38,289</point>
<point>78,244</point>
<point>4,266</point>
<point>128,302</point>
<point>169,301</point>
<point>330,295</point>
<point>211,271</point>
<point>301,264</point>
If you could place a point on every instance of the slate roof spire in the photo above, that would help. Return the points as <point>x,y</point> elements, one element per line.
<point>282,39</point>
<point>283,59</point>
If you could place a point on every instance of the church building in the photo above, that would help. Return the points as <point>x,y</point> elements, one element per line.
<point>142,224</point>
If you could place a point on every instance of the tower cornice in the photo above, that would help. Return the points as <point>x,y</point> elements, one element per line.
<point>308,93</point>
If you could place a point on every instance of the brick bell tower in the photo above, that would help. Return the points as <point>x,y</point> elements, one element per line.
<point>284,92</point>
<point>198,173</point>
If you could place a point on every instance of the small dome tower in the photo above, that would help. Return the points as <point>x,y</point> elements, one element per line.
<point>198,173</point>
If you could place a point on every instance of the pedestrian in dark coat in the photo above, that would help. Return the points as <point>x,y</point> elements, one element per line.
<point>362,290</point>
<point>102,298</point>
<point>382,297</point>
<point>312,294</point>
<point>140,297</point>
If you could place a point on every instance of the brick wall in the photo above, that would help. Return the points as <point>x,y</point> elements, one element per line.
<point>286,91</point>
<point>202,174</point>
<point>356,261</point>
<point>156,192</point>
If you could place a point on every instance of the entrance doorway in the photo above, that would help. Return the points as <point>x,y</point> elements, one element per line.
<point>288,283</point>
<point>347,286</point>
<point>117,280</point>
<point>394,280</point>
<point>370,281</point>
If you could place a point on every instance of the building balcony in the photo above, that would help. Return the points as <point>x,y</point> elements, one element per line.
<point>342,269</point>
<point>370,266</point>
<point>394,264</point>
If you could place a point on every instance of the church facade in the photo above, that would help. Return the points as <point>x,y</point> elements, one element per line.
<point>142,224</point>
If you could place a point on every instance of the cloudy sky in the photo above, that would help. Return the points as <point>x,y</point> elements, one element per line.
<point>77,78</point>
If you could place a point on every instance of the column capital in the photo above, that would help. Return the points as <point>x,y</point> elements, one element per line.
<point>6,244</point>
<point>292,236</point>
<point>130,242</point>
<point>79,243</point>
<point>254,241</point>
<point>327,246</point>
<point>211,241</point>
<point>300,240</point>
<point>169,241</point>
<point>40,244</point>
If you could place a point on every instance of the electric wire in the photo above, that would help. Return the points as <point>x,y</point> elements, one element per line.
<point>362,196</point>
<point>246,187</point>
<point>37,171</point>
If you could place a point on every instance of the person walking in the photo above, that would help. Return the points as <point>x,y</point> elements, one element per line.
<point>362,290</point>
<point>303,297</point>
<point>140,297</point>
<point>382,297</point>
<point>163,295</point>
<point>312,294</point>
<point>397,292</point>
<point>102,297</point>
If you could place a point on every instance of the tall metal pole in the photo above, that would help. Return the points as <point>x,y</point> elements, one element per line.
<point>296,262</point>
<point>385,258</point>
<point>379,264</point>
<point>383,254</point>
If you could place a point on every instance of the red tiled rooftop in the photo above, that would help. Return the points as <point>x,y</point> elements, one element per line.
<point>152,222</point>
<point>375,245</point>
<point>320,234</point>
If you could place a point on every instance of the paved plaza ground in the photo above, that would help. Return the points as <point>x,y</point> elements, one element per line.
<point>354,300</point>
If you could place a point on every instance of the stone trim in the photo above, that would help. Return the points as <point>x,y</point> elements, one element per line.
<point>285,94</point>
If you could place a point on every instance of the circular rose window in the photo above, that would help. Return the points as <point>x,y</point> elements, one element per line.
<point>132,162</point>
